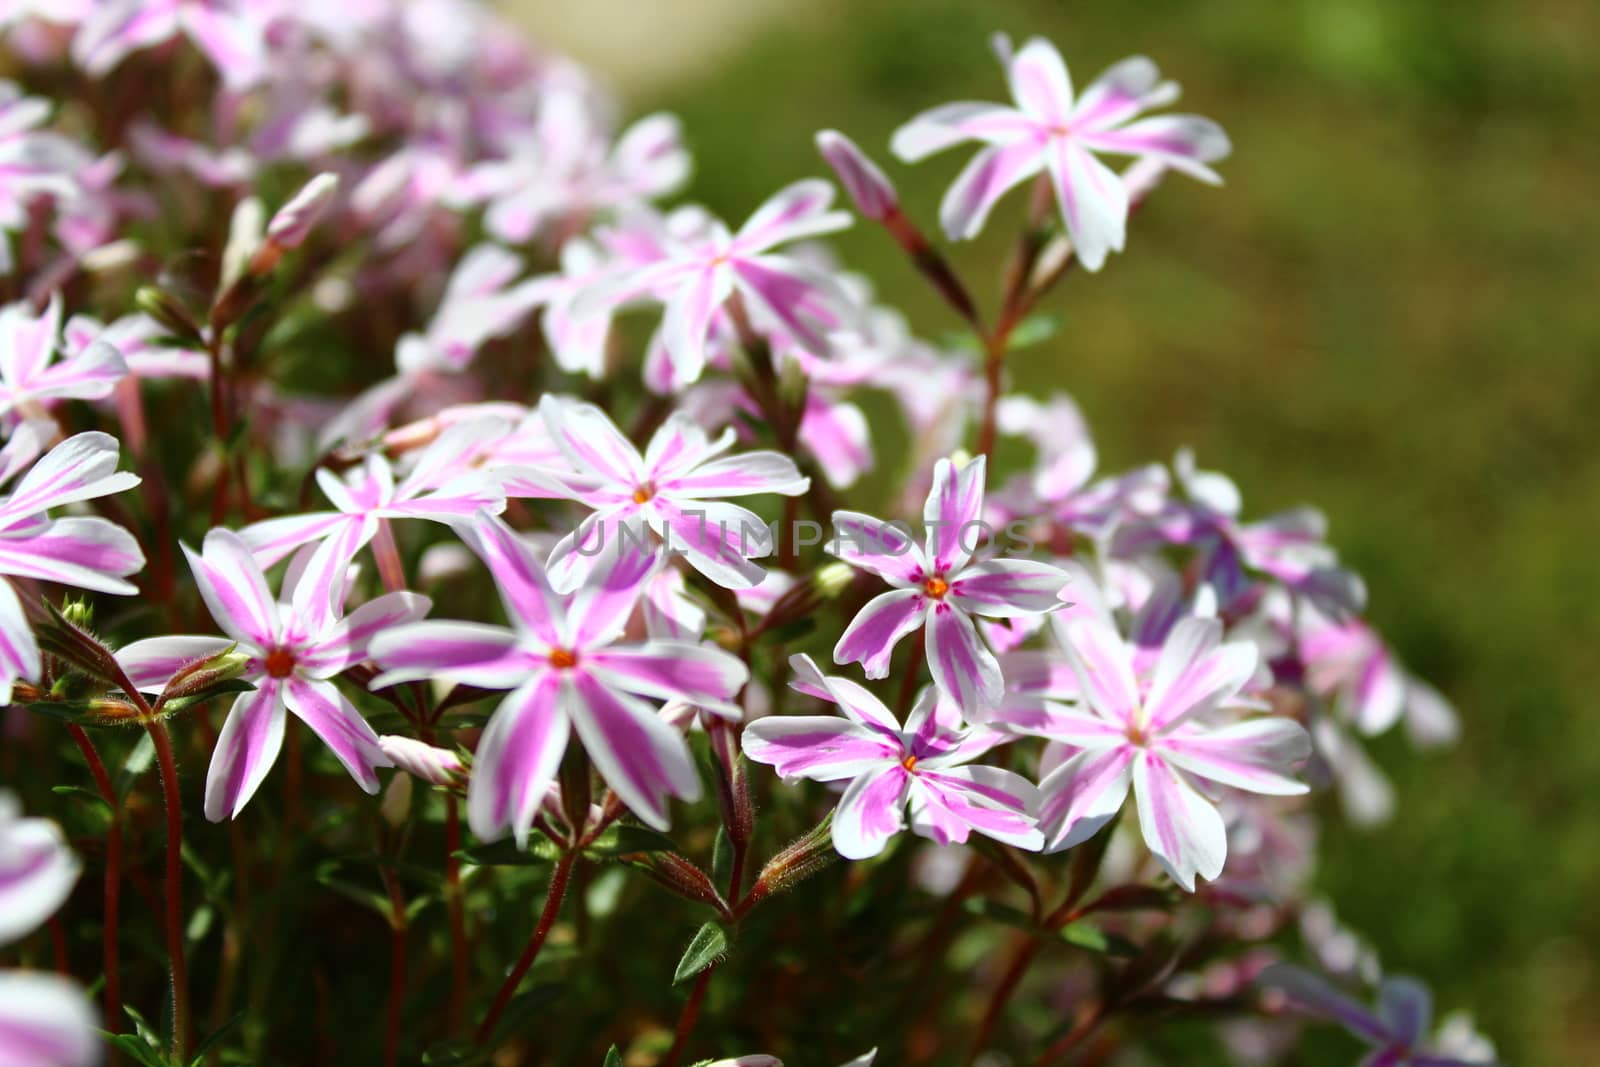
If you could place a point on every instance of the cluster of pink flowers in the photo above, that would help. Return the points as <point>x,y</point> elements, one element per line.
<point>1083,636</point>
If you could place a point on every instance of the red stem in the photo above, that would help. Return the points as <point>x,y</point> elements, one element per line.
<point>547,919</point>
<point>397,969</point>
<point>113,882</point>
<point>173,801</point>
<point>686,1020</point>
<point>1002,995</point>
<point>458,918</point>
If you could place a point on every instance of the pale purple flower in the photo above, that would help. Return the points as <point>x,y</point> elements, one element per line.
<point>1397,1029</point>
<point>230,33</point>
<point>33,162</point>
<point>566,169</point>
<point>869,189</point>
<point>440,487</point>
<point>567,673</point>
<point>939,587</point>
<point>1053,131</point>
<point>296,644</point>
<point>1346,660</point>
<point>32,379</point>
<point>1158,732</point>
<point>37,871</point>
<point>675,491</point>
<point>45,1019</point>
<point>926,765</point>
<point>85,552</point>
<point>698,276</point>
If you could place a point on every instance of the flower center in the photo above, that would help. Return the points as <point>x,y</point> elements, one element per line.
<point>909,763</point>
<point>643,494</point>
<point>280,663</point>
<point>936,586</point>
<point>1136,735</point>
<point>563,658</point>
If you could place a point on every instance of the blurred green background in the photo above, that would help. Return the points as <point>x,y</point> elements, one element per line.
<point>1389,310</point>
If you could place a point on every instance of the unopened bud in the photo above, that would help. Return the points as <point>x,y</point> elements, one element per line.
<point>169,312</point>
<point>865,183</point>
<point>193,679</point>
<point>832,579</point>
<point>294,220</point>
<point>436,766</point>
<point>396,805</point>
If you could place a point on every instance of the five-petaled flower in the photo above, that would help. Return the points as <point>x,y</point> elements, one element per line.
<point>83,551</point>
<point>296,644</point>
<point>1051,130</point>
<point>697,275</point>
<point>672,490</point>
<point>567,672</point>
<point>941,587</point>
<point>924,764</point>
<point>1158,732</point>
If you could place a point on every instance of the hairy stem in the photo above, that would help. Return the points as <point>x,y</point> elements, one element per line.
<point>173,801</point>
<point>688,1017</point>
<point>112,899</point>
<point>547,919</point>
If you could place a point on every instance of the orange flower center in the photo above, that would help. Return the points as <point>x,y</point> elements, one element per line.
<point>909,763</point>
<point>563,658</point>
<point>643,494</point>
<point>936,587</point>
<point>280,663</point>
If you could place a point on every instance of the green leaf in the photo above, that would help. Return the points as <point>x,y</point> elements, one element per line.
<point>215,1038</point>
<point>505,853</point>
<point>78,790</point>
<point>1089,936</point>
<point>210,692</point>
<point>623,838</point>
<point>722,858</point>
<point>1000,913</point>
<point>710,944</point>
<point>613,1058</point>
<point>140,760</point>
<point>137,1049</point>
<point>1033,330</point>
<point>455,1053</point>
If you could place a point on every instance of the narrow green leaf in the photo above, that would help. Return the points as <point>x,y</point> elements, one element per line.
<point>215,1038</point>
<point>624,838</point>
<point>140,760</point>
<point>722,859</point>
<point>505,853</point>
<point>613,1058</point>
<point>998,912</point>
<point>709,945</point>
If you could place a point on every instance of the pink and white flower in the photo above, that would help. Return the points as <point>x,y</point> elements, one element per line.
<point>568,673</point>
<point>296,644</point>
<point>230,33</point>
<point>84,552</point>
<point>441,487</point>
<point>698,275</point>
<point>45,1019</point>
<point>1158,732</point>
<point>676,490</point>
<point>924,765</point>
<point>1053,131</point>
<point>33,379</point>
<point>939,587</point>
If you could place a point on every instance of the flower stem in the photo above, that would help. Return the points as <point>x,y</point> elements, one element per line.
<point>174,887</point>
<point>113,882</point>
<point>547,919</point>
<point>689,1016</point>
<point>1020,961</point>
<point>397,968</point>
<point>458,918</point>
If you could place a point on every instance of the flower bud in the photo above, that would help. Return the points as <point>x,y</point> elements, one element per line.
<point>294,220</point>
<point>169,312</point>
<point>436,766</point>
<point>192,679</point>
<point>867,185</point>
<point>832,579</point>
<point>396,804</point>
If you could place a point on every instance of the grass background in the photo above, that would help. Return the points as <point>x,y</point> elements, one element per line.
<point>1389,310</point>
